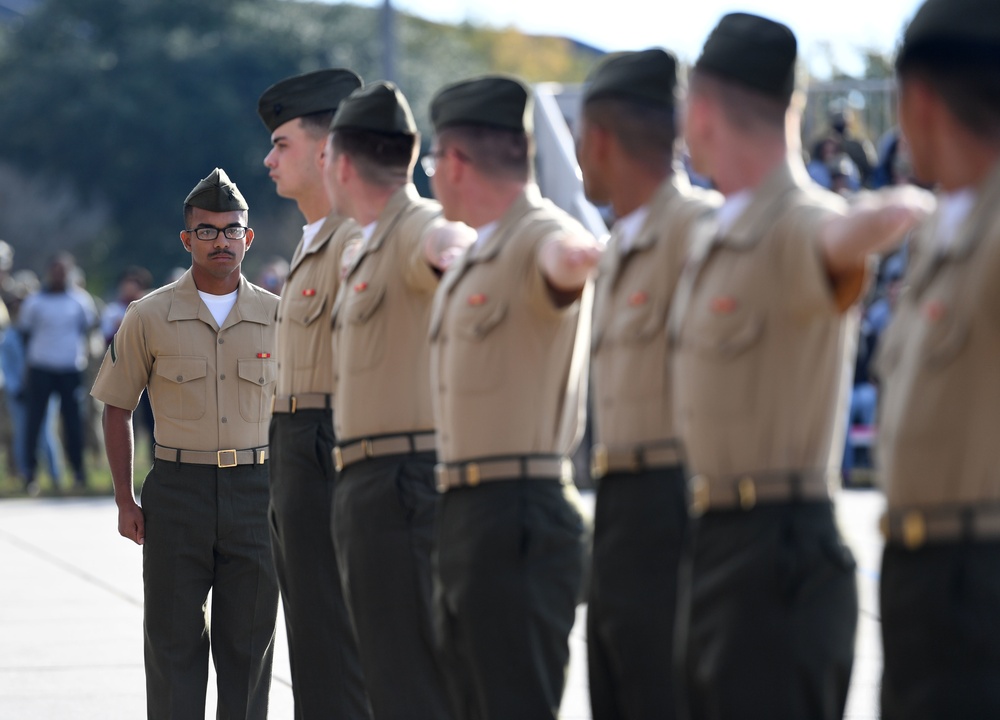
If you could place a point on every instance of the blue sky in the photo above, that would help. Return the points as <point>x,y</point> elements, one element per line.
<point>843,25</point>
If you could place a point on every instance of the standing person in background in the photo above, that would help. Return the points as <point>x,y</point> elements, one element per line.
<point>56,323</point>
<point>940,382</point>
<point>12,365</point>
<point>133,283</point>
<point>386,500</point>
<point>509,338</point>
<point>768,606</point>
<point>626,152</point>
<point>326,673</point>
<point>201,347</point>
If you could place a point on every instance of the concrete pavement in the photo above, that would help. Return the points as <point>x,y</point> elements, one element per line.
<point>71,616</point>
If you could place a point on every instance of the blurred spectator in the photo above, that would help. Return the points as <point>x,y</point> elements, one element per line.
<point>272,276</point>
<point>844,129</point>
<point>56,323</point>
<point>133,283</point>
<point>831,168</point>
<point>12,365</point>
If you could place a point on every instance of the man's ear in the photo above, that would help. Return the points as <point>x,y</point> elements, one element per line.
<point>186,240</point>
<point>248,240</point>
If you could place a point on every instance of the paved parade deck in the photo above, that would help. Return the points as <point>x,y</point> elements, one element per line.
<point>71,616</point>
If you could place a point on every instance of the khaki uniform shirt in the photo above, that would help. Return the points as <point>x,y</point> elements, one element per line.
<point>381,316</point>
<point>630,364</point>
<point>939,366</point>
<point>761,365</point>
<point>507,372</point>
<point>210,387</point>
<point>304,350</point>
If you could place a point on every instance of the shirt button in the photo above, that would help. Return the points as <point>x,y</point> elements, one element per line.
<point>222,376</point>
<point>260,380</point>
<point>224,420</point>
<point>180,378</point>
<point>221,341</point>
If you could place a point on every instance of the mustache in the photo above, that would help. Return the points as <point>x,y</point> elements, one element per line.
<point>217,253</point>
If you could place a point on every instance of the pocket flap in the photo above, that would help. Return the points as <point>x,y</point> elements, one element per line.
<point>259,371</point>
<point>477,322</point>
<point>730,339</point>
<point>181,369</point>
<point>362,305</point>
<point>306,310</point>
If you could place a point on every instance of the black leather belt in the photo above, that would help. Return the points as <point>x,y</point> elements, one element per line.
<point>751,489</point>
<point>219,458</point>
<point>354,451</point>
<point>507,467</point>
<point>291,404</point>
<point>634,459</point>
<point>915,527</point>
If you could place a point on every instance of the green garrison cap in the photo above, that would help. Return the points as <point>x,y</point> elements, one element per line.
<point>500,101</point>
<point>216,193</point>
<point>753,51</point>
<point>379,107</point>
<point>648,77</point>
<point>313,92</point>
<point>953,29</point>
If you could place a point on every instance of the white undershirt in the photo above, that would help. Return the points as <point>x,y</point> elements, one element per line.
<point>367,230</point>
<point>731,210</point>
<point>219,305</point>
<point>953,209</point>
<point>629,226</point>
<point>483,234</point>
<point>310,231</point>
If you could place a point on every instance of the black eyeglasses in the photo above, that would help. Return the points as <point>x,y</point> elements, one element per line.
<point>207,232</point>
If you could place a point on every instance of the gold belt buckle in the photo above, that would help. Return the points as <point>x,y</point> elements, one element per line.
<point>700,495</point>
<point>914,529</point>
<point>338,458</point>
<point>368,448</point>
<point>223,463</point>
<point>748,493</point>
<point>599,461</point>
<point>292,404</point>
<point>472,474</point>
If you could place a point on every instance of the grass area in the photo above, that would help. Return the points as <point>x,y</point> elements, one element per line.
<point>98,476</point>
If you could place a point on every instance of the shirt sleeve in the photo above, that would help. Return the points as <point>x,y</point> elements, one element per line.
<point>124,373</point>
<point>803,269</point>
<point>418,272</point>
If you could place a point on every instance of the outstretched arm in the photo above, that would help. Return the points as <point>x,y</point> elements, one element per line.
<point>445,242</point>
<point>567,262</point>
<point>877,223</point>
<point>120,450</point>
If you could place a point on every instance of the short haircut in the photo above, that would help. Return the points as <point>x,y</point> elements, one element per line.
<point>189,210</point>
<point>968,85</point>
<point>646,133</point>
<point>744,108</point>
<point>317,125</point>
<point>496,152</point>
<point>381,159</point>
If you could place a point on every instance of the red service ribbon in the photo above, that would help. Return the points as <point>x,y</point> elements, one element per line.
<point>309,292</point>
<point>638,298</point>
<point>263,355</point>
<point>361,287</point>
<point>477,299</point>
<point>724,304</point>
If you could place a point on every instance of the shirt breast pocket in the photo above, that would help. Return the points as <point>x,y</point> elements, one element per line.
<point>366,317</point>
<point>256,386</point>
<point>641,363</point>
<point>723,368</point>
<point>482,358</point>
<point>183,392</point>
<point>303,312</point>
